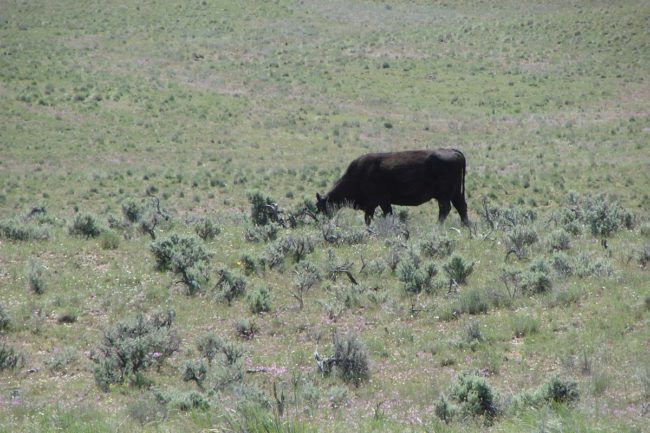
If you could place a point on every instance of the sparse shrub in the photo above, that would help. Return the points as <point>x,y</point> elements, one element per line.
<point>36,277</point>
<point>535,281</point>
<point>61,359</point>
<point>351,359</point>
<point>232,352</point>
<point>16,230</point>
<point>310,394</point>
<point>560,390</point>
<point>415,276</point>
<point>147,410</point>
<point>248,263</point>
<point>85,224</point>
<point>297,247</point>
<point>10,359</point>
<point>184,401</point>
<point>473,301</point>
<point>458,270</point>
<point>209,346</point>
<point>337,396</point>
<point>307,275</point>
<point>259,301</point>
<point>473,332</point>
<point>444,410</point>
<point>109,240</point>
<point>230,286</point>
<point>602,214</point>
<point>519,238</point>
<point>195,371</point>
<point>474,395</point>
<point>265,233</point>
<point>130,347</point>
<point>390,226</point>
<point>437,245</point>
<point>644,229</point>
<point>586,265</point>
<point>207,229</point>
<point>185,256</point>
<point>559,240</point>
<point>132,210</point>
<point>561,263</point>
<point>247,328</point>
<point>261,208</point>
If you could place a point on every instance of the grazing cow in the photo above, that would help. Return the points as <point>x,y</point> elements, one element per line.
<point>402,178</point>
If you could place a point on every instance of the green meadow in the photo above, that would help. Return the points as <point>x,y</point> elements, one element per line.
<point>162,267</point>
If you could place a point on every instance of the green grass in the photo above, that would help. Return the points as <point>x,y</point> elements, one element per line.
<point>203,103</point>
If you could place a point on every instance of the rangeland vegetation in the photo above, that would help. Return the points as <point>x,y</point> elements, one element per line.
<point>162,267</point>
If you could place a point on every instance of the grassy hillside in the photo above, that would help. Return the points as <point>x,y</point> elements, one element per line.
<point>142,289</point>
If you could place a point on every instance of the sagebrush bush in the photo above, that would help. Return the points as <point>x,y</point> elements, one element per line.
<point>259,300</point>
<point>474,395</point>
<point>559,240</point>
<point>519,238</point>
<point>85,224</point>
<point>602,214</point>
<point>415,275</point>
<point>261,212</point>
<point>247,328</point>
<point>586,265</point>
<point>351,359</point>
<point>61,359</point>
<point>249,264</point>
<point>553,390</point>
<point>458,270</point>
<point>307,275</point>
<point>229,286</point>
<point>16,230</point>
<point>132,210</point>
<point>195,371</point>
<point>185,256</point>
<point>265,233</point>
<point>10,359</point>
<point>36,277</point>
<point>183,401</point>
<point>131,346</point>
<point>562,264</point>
<point>295,246</point>
<point>437,245</point>
<point>207,229</point>
<point>209,346</point>
<point>473,332</point>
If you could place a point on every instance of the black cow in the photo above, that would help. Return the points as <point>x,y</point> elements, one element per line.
<point>402,178</point>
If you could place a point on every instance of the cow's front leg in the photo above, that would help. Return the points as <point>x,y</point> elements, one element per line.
<point>368,215</point>
<point>387,209</point>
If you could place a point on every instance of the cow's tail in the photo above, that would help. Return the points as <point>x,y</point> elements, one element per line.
<point>462,185</point>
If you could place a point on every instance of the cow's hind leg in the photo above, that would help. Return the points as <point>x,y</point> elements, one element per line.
<point>368,214</point>
<point>444,207</point>
<point>461,206</point>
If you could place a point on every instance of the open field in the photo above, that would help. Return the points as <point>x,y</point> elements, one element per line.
<point>128,121</point>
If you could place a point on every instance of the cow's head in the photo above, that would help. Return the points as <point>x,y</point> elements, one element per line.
<point>321,203</point>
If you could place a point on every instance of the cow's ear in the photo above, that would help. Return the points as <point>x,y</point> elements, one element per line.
<point>318,197</point>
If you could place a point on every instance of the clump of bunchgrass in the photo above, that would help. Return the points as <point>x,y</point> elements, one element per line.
<point>37,277</point>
